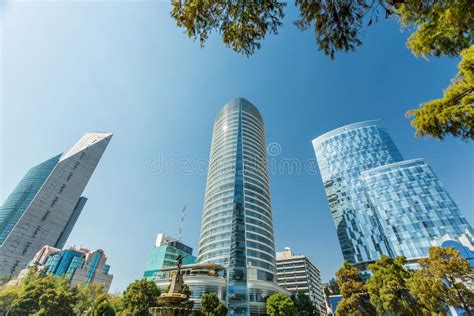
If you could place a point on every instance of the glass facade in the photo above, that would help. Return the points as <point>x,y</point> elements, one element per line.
<point>93,266</point>
<point>412,206</point>
<point>237,228</point>
<point>65,258</point>
<point>342,155</point>
<point>44,206</point>
<point>165,256</point>
<point>65,262</point>
<point>78,265</point>
<point>20,198</point>
<point>380,203</point>
<point>211,278</point>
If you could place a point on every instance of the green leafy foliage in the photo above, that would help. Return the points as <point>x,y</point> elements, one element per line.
<point>337,24</point>
<point>209,302</point>
<point>441,27</point>
<point>242,24</point>
<point>221,310</point>
<point>443,279</point>
<point>87,295</point>
<point>355,300</point>
<point>333,288</point>
<point>140,296</point>
<point>49,295</point>
<point>212,306</point>
<point>303,305</point>
<point>186,290</point>
<point>116,301</point>
<point>57,301</point>
<point>45,295</point>
<point>279,304</point>
<point>8,295</point>
<point>40,295</point>
<point>4,279</point>
<point>453,114</point>
<point>103,306</point>
<point>429,293</point>
<point>387,287</point>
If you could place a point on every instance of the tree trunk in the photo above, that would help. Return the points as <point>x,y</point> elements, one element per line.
<point>461,299</point>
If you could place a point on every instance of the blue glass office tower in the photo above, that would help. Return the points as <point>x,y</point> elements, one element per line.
<point>342,155</point>
<point>237,227</point>
<point>380,203</point>
<point>45,205</point>
<point>412,206</point>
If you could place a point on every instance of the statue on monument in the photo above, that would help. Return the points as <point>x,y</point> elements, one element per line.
<point>173,302</point>
<point>179,261</point>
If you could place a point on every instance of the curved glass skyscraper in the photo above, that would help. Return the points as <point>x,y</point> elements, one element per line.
<point>380,203</point>
<point>412,206</point>
<point>342,155</point>
<point>237,228</point>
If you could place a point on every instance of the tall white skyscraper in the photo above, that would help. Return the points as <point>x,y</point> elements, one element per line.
<point>45,205</point>
<point>237,226</point>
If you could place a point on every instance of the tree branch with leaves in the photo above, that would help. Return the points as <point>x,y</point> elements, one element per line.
<point>242,24</point>
<point>439,28</point>
<point>355,300</point>
<point>443,279</point>
<point>453,114</point>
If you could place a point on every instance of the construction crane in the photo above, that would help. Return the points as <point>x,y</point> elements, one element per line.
<point>183,214</point>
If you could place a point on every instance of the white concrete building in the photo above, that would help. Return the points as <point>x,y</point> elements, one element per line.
<point>45,205</point>
<point>297,273</point>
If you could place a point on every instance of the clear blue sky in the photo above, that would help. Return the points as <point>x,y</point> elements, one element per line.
<point>69,67</point>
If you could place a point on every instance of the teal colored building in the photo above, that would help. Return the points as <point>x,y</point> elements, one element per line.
<point>165,253</point>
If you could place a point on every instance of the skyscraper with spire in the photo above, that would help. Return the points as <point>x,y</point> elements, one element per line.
<point>45,205</point>
<point>237,226</point>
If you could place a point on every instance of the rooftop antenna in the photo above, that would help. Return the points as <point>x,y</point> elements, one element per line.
<point>183,214</point>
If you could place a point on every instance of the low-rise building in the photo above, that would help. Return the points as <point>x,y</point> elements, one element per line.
<point>164,254</point>
<point>79,265</point>
<point>205,278</point>
<point>201,279</point>
<point>297,273</point>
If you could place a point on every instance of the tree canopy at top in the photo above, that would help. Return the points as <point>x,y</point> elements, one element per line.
<point>439,28</point>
